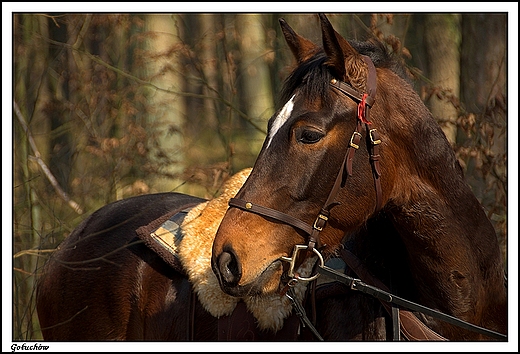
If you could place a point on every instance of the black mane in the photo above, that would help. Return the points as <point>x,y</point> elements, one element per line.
<point>313,76</point>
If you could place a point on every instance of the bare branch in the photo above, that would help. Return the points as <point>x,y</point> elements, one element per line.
<point>67,321</point>
<point>98,60</point>
<point>37,156</point>
<point>32,252</point>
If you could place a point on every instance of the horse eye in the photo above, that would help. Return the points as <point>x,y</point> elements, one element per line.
<point>307,136</point>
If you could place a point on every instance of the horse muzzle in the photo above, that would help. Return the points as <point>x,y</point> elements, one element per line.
<point>228,271</point>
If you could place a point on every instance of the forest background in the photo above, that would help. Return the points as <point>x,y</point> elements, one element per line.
<point>108,106</point>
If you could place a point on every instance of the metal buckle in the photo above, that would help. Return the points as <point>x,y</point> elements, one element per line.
<point>355,146</point>
<point>322,217</point>
<point>292,261</point>
<point>354,283</point>
<point>374,142</point>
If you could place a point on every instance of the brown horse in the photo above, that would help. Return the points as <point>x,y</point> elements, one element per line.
<point>103,283</point>
<point>386,186</point>
<point>430,241</point>
<point>111,280</point>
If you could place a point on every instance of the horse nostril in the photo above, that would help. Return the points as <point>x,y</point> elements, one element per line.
<point>228,268</point>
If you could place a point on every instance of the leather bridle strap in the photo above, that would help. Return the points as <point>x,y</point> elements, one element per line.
<point>358,284</point>
<point>412,327</point>
<point>365,101</point>
<point>271,213</point>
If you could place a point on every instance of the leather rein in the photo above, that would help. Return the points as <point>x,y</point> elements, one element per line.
<point>411,326</point>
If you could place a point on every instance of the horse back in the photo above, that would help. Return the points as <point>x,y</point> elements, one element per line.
<point>103,283</point>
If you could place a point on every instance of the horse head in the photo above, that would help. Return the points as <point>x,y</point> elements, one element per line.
<point>344,145</point>
<point>304,177</point>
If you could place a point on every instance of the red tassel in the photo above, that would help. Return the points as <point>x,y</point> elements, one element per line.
<point>361,112</point>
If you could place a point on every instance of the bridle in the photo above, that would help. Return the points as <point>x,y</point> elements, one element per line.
<point>364,101</point>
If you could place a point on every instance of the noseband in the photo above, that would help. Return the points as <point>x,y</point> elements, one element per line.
<point>365,101</point>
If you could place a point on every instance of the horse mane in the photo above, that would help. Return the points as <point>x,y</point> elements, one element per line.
<point>315,75</point>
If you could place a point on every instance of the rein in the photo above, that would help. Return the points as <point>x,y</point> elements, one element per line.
<point>404,320</point>
<point>385,296</point>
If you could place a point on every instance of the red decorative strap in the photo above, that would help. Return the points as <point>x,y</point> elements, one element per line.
<point>361,112</point>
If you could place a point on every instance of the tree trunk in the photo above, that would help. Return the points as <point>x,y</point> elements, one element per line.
<point>442,38</point>
<point>169,109</point>
<point>31,97</point>
<point>256,96</point>
<point>484,54</point>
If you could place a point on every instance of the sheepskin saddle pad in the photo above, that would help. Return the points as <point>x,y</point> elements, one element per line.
<point>184,238</point>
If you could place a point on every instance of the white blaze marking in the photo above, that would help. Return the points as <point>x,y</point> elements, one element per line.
<point>281,118</point>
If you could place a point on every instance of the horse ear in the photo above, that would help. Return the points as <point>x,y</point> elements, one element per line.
<point>301,48</point>
<point>344,61</point>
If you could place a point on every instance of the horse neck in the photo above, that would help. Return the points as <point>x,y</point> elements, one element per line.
<point>448,222</point>
<point>454,256</point>
<point>426,190</point>
<point>454,253</point>
<point>455,260</point>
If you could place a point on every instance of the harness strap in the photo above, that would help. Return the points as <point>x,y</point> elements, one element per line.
<point>300,312</point>
<point>357,284</point>
<point>270,213</point>
<point>365,102</point>
<point>375,141</point>
<point>353,145</point>
<point>371,78</point>
<point>396,324</point>
<point>413,329</point>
